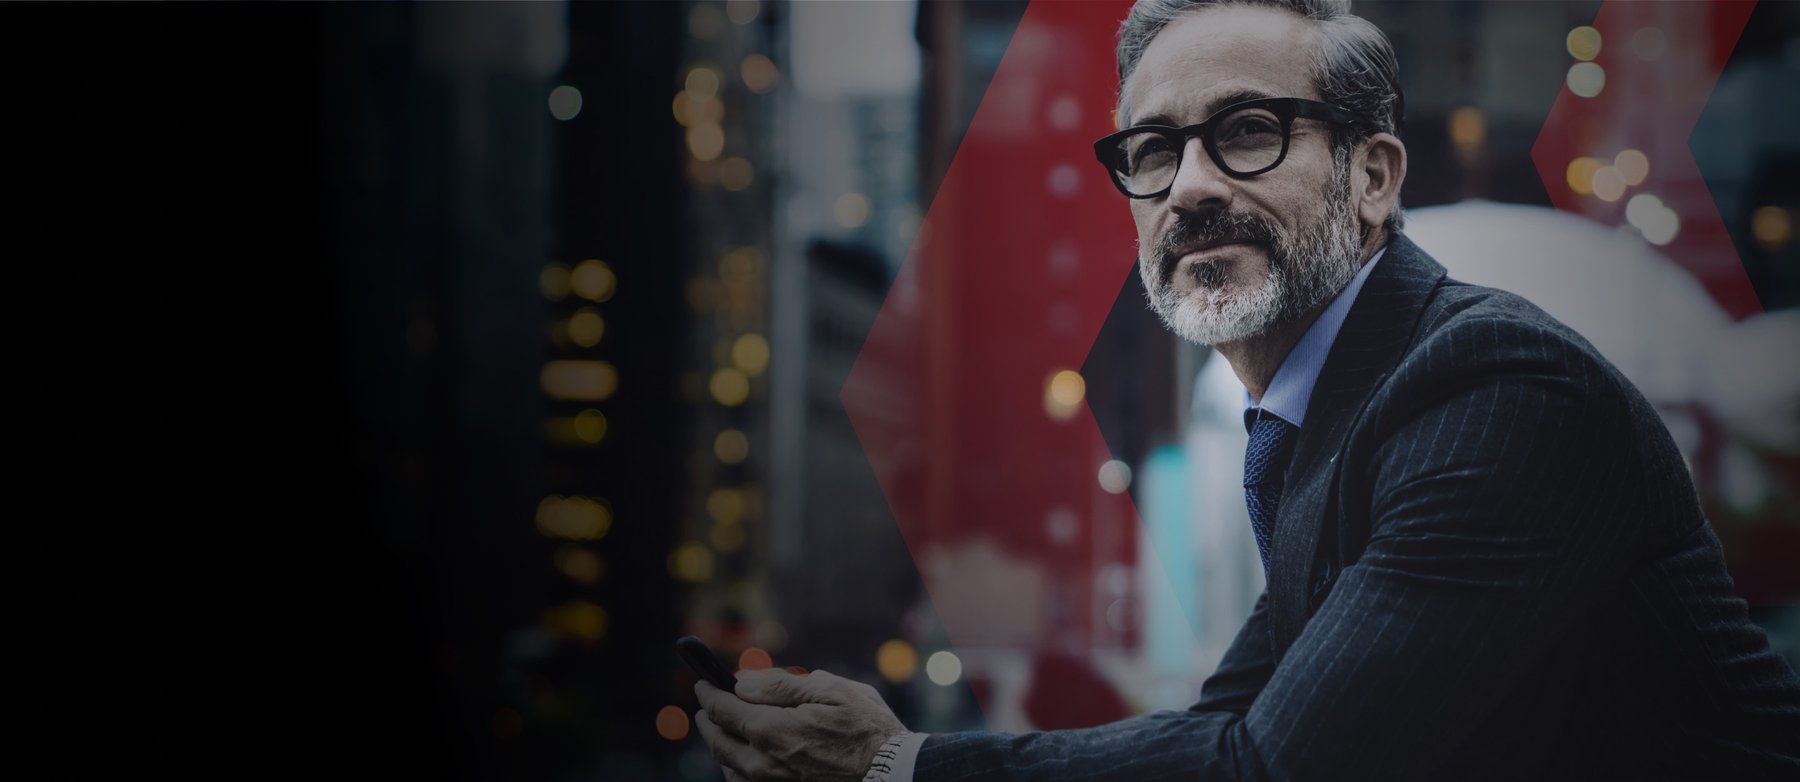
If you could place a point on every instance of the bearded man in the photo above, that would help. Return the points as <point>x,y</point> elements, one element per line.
<point>1485,557</point>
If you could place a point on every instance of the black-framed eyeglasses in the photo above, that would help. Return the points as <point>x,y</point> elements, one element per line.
<point>1245,139</point>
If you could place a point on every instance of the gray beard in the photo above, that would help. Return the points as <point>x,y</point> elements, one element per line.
<point>1304,271</point>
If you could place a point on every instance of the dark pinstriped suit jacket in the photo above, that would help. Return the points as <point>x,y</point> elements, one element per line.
<point>1523,586</point>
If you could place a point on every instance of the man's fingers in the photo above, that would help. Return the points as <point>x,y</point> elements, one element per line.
<point>749,721</point>
<point>779,688</point>
<point>734,754</point>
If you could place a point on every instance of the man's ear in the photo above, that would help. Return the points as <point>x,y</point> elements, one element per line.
<point>1382,165</point>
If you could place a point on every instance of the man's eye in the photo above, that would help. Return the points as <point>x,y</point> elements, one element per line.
<point>1155,145</point>
<point>1252,127</point>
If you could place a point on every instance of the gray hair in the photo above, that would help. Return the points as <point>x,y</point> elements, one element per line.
<point>1355,68</point>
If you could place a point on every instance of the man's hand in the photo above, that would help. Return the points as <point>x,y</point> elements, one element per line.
<point>783,726</point>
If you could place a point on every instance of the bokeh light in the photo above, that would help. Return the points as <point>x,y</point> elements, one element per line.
<point>851,210</point>
<point>1063,393</point>
<point>672,723</point>
<point>691,562</point>
<point>703,80</point>
<point>943,668</point>
<point>565,102</point>
<point>729,387</point>
<point>1633,166</point>
<point>750,353</point>
<point>1580,174</point>
<point>731,446</point>
<point>578,620</point>
<point>573,518</point>
<point>1772,226</point>
<point>591,381</point>
<point>586,327</point>
<point>736,173</point>
<point>897,661</point>
<point>1586,79</point>
<point>1115,476</point>
<point>1607,184</point>
<point>706,140</point>
<point>593,280</point>
<point>754,659</point>
<point>742,11</point>
<point>1584,43</point>
<point>553,281</point>
<point>726,506</point>
<point>579,564</point>
<point>759,73</point>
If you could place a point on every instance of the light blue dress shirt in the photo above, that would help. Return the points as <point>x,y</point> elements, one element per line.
<point>1293,383</point>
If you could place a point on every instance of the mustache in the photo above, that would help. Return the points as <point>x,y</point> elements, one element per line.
<point>1208,227</point>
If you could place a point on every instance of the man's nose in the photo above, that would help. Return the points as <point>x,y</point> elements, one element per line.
<point>1199,184</point>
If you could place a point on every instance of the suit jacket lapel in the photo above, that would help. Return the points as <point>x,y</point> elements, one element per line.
<point>1375,335</point>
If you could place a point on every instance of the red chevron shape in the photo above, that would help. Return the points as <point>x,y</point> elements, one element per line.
<point>1661,61</point>
<point>1020,257</point>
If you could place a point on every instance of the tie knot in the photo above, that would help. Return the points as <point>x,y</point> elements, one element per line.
<point>1271,440</point>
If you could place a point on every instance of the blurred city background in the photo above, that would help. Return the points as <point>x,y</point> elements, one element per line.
<point>532,348</point>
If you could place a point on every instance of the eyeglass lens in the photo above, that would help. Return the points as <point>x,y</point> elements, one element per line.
<point>1247,141</point>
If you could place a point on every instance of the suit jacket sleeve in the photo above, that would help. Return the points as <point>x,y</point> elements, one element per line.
<point>1498,505</point>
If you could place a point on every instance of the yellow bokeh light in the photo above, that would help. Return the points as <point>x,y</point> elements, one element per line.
<point>691,562</point>
<point>672,723</point>
<point>750,353</point>
<point>741,265</point>
<point>590,426</point>
<point>554,282</point>
<point>736,174</point>
<point>1581,174</point>
<point>590,381</point>
<point>759,73</point>
<point>691,109</point>
<point>579,564</point>
<point>727,538</point>
<point>1063,394</point>
<point>731,446</point>
<point>586,327</point>
<point>577,619</point>
<point>1633,166</point>
<point>593,280</point>
<point>1772,226</point>
<point>1584,43</point>
<point>729,387</point>
<point>851,210</point>
<point>573,518</point>
<point>726,506</point>
<point>703,80</point>
<point>1607,184</point>
<point>1468,127</point>
<point>706,140</point>
<point>897,661</point>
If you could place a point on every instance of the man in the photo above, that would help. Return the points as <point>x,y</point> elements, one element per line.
<point>1485,557</point>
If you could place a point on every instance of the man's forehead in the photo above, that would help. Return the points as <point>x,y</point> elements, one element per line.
<point>1212,57</point>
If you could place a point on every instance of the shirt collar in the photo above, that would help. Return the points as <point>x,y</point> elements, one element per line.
<point>1291,388</point>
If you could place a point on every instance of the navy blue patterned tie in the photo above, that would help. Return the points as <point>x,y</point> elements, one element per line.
<point>1271,445</point>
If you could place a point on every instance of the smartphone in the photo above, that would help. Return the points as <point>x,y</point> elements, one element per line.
<point>700,657</point>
